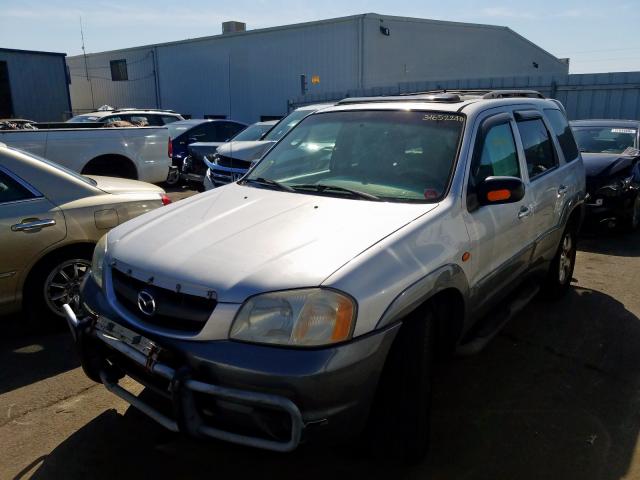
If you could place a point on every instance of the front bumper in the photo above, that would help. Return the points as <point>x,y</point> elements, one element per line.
<point>608,210</point>
<point>254,395</point>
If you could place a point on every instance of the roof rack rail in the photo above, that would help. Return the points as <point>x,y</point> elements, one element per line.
<point>513,93</point>
<point>443,97</point>
<point>127,109</point>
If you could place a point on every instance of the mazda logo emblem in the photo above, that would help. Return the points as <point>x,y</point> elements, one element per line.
<point>146,303</point>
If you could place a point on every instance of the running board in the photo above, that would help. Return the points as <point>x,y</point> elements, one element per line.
<point>491,325</point>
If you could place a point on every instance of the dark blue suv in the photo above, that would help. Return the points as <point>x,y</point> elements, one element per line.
<point>185,132</point>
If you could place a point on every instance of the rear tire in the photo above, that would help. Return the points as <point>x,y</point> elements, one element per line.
<point>54,281</point>
<point>558,280</point>
<point>400,419</point>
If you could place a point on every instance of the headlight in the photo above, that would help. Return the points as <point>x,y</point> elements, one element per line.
<point>308,317</point>
<point>97,263</point>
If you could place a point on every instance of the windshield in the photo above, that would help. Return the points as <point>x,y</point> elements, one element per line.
<point>251,133</point>
<point>286,124</point>
<point>176,129</point>
<point>389,155</point>
<point>84,119</point>
<point>605,139</point>
<point>88,180</point>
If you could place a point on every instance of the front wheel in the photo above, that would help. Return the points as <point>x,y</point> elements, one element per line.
<point>632,222</point>
<point>560,272</point>
<point>399,423</point>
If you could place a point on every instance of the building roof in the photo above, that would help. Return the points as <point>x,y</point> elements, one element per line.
<point>321,22</point>
<point>31,52</point>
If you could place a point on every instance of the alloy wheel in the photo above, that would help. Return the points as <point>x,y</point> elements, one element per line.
<point>63,285</point>
<point>566,258</point>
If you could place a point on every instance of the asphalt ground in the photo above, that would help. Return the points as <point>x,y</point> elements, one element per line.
<point>556,395</point>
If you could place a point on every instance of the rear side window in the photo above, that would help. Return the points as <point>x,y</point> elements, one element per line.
<point>538,148</point>
<point>169,119</point>
<point>11,190</point>
<point>564,134</point>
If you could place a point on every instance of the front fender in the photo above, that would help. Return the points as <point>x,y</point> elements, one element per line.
<point>449,276</point>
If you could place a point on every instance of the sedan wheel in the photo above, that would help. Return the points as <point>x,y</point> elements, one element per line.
<point>62,285</point>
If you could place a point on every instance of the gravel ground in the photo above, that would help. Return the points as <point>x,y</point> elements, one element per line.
<point>554,395</point>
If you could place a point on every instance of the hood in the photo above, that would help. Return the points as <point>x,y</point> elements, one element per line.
<point>238,240</point>
<point>606,164</point>
<point>203,148</point>
<point>247,151</point>
<point>117,185</point>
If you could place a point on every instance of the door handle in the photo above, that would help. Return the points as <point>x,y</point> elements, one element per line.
<point>33,225</point>
<point>563,189</point>
<point>524,212</point>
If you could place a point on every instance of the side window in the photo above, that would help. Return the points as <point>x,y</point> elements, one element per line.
<point>168,119</point>
<point>230,130</point>
<point>207,132</point>
<point>538,148</point>
<point>11,190</point>
<point>563,132</point>
<point>495,155</point>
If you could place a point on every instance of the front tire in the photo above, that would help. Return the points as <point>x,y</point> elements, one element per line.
<point>400,419</point>
<point>54,282</point>
<point>560,273</point>
<point>632,222</point>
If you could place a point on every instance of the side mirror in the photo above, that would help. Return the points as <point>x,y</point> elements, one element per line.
<point>497,190</point>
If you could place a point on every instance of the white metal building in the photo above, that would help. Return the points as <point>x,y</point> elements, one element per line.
<point>249,75</point>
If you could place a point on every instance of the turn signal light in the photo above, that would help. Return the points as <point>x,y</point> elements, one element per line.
<point>498,195</point>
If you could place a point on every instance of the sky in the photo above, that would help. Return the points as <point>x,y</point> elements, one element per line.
<point>598,36</point>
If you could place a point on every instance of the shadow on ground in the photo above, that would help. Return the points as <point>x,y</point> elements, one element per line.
<point>611,243</point>
<point>554,396</point>
<point>26,358</point>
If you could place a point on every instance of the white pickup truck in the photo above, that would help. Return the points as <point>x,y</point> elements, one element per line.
<point>140,153</point>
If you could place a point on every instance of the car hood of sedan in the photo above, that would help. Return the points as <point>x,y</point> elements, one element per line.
<point>606,164</point>
<point>247,151</point>
<point>239,240</point>
<point>122,185</point>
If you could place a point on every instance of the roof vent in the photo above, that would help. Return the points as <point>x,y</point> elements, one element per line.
<point>233,27</point>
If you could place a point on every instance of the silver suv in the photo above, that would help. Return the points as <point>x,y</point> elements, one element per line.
<point>316,291</point>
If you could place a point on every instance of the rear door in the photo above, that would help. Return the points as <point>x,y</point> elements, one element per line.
<point>29,223</point>
<point>501,235</point>
<point>550,179</point>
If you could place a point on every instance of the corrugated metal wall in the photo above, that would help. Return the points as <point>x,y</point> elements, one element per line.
<point>38,83</point>
<point>242,76</point>
<point>253,74</point>
<point>92,87</point>
<point>595,95</point>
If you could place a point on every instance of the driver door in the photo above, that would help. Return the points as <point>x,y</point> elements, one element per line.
<point>501,235</point>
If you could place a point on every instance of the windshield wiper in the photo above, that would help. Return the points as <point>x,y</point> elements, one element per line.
<point>270,183</point>
<point>318,187</point>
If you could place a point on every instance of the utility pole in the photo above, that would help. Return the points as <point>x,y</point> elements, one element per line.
<point>86,66</point>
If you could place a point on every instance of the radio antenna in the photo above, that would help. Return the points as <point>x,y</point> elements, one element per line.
<point>86,66</point>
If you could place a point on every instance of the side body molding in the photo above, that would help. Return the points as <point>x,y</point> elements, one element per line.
<point>447,276</point>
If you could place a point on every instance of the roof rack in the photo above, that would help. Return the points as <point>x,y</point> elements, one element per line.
<point>142,110</point>
<point>439,96</point>
<point>446,96</point>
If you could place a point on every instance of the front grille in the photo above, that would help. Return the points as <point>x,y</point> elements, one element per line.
<point>174,310</point>
<point>229,162</point>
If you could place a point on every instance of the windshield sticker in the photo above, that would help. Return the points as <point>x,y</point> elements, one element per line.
<point>623,130</point>
<point>438,117</point>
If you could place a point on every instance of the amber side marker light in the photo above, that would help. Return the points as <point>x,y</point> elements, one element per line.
<point>466,256</point>
<point>498,195</point>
